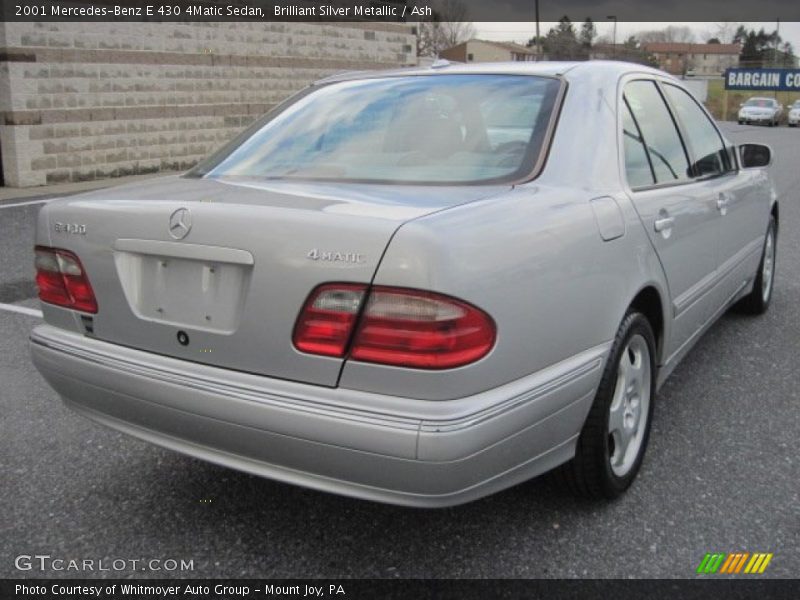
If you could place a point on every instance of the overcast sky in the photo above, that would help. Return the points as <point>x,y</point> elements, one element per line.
<point>522,32</point>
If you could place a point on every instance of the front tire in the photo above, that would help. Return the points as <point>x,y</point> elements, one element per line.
<point>614,437</point>
<point>757,301</point>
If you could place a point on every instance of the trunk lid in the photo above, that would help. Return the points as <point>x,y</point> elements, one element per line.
<point>216,271</point>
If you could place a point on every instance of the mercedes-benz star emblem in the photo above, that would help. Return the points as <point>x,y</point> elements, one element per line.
<point>180,223</point>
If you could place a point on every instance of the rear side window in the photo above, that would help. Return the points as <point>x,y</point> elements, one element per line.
<point>703,139</point>
<point>662,141</point>
<point>637,165</point>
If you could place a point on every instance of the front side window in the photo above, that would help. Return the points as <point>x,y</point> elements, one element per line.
<point>705,143</point>
<point>662,140</point>
<point>410,129</point>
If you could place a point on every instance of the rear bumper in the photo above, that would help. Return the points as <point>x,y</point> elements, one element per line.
<point>397,450</point>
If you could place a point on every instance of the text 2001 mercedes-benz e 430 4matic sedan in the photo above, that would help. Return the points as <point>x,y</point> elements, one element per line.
<point>418,286</point>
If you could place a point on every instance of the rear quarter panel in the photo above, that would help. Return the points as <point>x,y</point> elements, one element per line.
<point>534,260</point>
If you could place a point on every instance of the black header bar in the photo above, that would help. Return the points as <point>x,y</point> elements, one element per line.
<point>701,588</point>
<point>399,11</point>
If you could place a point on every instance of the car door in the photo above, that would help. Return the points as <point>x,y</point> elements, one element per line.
<point>679,213</point>
<point>741,205</point>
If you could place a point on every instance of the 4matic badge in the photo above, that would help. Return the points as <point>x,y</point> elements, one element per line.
<point>353,258</point>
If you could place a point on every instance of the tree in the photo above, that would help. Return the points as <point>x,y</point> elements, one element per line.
<point>725,32</point>
<point>670,34</point>
<point>588,33</point>
<point>740,35</point>
<point>788,58</point>
<point>561,43</point>
<point>631,43</point>
<point>760,49</point>
<point>448,27</point>
<point>713,40</point>
<point>533,41</point>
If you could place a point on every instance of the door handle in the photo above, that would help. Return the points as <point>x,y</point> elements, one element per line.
<point>664,223</point>
<point>722,203</point>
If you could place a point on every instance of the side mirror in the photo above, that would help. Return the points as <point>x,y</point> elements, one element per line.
<point>755,155</point>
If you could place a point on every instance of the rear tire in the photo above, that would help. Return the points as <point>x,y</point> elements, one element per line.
<point>758,300</point>
<point>614,437</point>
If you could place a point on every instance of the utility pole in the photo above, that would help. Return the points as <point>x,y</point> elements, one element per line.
<point>614,39</point>
<point>538,42</point>
<point>777,43</point>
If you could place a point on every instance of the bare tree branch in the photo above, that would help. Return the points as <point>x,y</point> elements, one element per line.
<point>448,28</point>
<point>671,34</point>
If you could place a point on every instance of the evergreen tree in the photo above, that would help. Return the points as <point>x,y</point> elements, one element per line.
<point>561,43</point>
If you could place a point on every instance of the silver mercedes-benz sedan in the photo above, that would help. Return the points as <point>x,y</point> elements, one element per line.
<point>418,286</point>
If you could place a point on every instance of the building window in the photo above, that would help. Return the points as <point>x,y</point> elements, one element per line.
<point>469,57</point>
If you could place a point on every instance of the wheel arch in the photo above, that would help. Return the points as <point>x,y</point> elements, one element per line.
<point>648,301</point>
<point>774,212</point>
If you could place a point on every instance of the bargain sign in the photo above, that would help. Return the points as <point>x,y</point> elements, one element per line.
<point>773,80</point>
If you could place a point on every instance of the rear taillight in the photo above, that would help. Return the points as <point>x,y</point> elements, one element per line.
<point>326,322</point>
<point>398,326</point>
<point>62,281</point>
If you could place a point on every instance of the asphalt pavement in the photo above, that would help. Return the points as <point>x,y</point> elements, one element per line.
<point>721,473</point>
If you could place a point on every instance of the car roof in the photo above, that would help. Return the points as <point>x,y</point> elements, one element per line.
<point>568,70</point>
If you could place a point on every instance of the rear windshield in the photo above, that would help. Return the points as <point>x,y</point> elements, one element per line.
<point>411,129</point>
<point>762,102</point>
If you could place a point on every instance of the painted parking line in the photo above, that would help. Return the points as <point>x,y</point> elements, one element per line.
<point>24,310</point>
<point>28,203</point>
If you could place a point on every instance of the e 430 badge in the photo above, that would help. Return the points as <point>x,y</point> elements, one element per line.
<point>73,228</point>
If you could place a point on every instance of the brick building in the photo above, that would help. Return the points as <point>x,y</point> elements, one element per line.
<point>486,51</point>
<point>696,59</point>
<point>88,101</point>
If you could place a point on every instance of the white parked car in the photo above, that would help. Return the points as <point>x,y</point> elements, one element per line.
<point>794,114</point>
<point>760,110</point>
